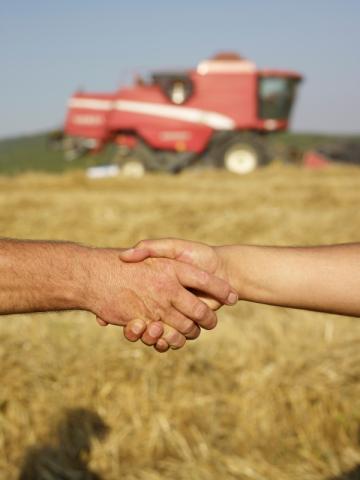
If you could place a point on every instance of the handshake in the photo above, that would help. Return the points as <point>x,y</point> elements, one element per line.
<point>165,291</point>
<point>162,291</point>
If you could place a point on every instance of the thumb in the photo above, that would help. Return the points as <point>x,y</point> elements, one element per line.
<point>134,255</point>
<point>210,302</point>
<point>161,248</point>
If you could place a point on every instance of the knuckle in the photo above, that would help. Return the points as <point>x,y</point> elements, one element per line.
<point>225,290</point>
<point>157,313</point>
<point>200,310</point>
<point>187,326</point>
<point>179,292</point>
<point>174,339</point>
<point>203,278</point>
<point>178,295</point>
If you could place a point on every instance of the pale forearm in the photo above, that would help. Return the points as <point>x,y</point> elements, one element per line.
<point>42,276</point>
<point>317,278</point>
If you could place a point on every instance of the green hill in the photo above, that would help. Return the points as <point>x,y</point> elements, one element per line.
<point>32,153</point>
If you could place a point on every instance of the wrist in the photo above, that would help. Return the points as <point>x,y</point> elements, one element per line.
<point>100,267</point>
<point>224,269</point>
<point>77,287</point>
<point>230,267</point>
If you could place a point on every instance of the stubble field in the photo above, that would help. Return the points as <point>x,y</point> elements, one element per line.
<point>271,394</point>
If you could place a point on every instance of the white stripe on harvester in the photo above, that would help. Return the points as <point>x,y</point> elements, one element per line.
<point>186,114</point>
<point>91,103</point>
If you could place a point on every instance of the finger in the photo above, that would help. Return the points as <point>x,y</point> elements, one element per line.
<point>165,248</point>
<point>190,306</point>
<point>134,255</point>
<point>178,321</point>
<point>134,330</point>
<point>210,302</point>
<point>205,282</point>
<point>195,332</point>
<point>173,338</point>
<point>152,333</point>
<point>101,322</point>
<point>161,346</point>
<point>172,248</point>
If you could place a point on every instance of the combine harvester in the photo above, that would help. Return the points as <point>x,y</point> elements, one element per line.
<point>216,115</point>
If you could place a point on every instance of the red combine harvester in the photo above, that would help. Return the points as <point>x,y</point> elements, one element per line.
<point>217,114</point>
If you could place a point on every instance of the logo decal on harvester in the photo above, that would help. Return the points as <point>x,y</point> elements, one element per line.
<point>91,120</point>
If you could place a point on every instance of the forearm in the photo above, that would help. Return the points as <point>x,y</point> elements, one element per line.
<point>315,278</point>
<point>42,276</point>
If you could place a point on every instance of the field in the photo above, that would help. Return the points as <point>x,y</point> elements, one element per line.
<point>271,394</point>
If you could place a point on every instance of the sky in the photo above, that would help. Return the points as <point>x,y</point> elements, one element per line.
<point>49,49</point>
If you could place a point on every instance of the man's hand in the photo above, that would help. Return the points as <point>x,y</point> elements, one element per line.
<point>196,254</point>
<point>42,276</point>
<point>154,289</point>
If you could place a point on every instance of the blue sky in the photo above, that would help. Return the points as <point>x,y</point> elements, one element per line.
<point>48,49</point>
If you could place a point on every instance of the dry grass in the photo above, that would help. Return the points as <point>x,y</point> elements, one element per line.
<point>271,394</point>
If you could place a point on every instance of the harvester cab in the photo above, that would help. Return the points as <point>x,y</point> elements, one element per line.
<point>276,96</point>
<point>177,87</point>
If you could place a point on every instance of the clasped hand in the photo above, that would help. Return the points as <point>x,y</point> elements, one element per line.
<point>164,300</point>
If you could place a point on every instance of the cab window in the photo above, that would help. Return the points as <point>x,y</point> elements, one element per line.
<point>276,97</point>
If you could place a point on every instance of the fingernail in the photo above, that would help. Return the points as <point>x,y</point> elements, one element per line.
<point>155,330</point>
<point>137,327</point>
<point>232,298</point>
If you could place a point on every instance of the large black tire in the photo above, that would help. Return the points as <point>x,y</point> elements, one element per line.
<point>241,154</point>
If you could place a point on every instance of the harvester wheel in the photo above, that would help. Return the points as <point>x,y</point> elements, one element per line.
<point>242,155</point>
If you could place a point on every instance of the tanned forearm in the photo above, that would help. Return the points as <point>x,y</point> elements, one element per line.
<point>38,276</point>
<point>42,276</point>
<point>315,278</point>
